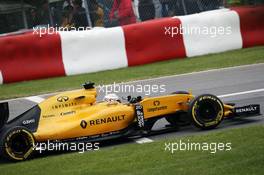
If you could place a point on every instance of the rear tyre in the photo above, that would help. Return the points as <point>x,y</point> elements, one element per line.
<point>18,143</point>
<point>206,111</point>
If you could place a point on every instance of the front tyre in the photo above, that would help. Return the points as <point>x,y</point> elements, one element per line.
<point>18,143</point>
<point>206,111</point>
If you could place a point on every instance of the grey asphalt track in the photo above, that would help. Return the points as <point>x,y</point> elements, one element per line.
<point>219,82</point>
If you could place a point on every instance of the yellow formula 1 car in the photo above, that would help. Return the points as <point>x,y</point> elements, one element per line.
<point>75,115</point>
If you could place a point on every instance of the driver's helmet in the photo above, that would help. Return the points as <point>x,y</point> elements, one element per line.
<point>112,98</point>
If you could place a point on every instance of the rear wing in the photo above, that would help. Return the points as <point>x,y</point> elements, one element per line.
<point>4,114</point>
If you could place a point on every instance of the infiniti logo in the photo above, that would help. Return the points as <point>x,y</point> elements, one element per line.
<point>62,99</point>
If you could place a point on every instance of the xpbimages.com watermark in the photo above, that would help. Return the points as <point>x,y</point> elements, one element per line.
<point>80,147</point>
<point>145,89</point>
<point>41,31</point>
<point>212,147</point>
<point>212,31</point>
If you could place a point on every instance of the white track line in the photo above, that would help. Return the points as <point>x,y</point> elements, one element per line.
<point>158,78</point>
<point>197,72</point>
<point>241,93</point>
<point>38,99</point>
<point>35,99</point>
<point>143,140</point>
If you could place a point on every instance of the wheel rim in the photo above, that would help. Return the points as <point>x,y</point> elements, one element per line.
<point>207,111</point>
<point>19,144</point>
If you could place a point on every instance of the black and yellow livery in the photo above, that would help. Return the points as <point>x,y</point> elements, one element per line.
<point>76,114</point>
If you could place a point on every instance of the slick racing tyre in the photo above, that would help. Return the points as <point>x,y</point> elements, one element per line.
<point>18,143</point>
<point>206,111</point>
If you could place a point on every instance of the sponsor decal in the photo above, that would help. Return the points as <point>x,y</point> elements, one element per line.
<point>83,124</point>
<point>208,97</point>
<point>61,114</point>
<point>67,113</point>
<point>27,122</point>
<point>48,116</point>
<point>64,105</point>
<point>246,109</point>
<point>140,115</point>
<point>107,120</point>
<point>102,121</point>
<point>157,107</point>
<point>62,99</point>
<point>156,103</point>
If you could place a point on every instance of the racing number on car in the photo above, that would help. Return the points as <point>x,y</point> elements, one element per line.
<point>139,115</point>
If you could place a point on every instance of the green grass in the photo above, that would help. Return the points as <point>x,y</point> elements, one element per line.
<point>245,157</point>
<point>228,59</point>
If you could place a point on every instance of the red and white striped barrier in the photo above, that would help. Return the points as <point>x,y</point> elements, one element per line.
<point>201,44</point>
<point>93,51</point>
<point>29,56</point>
<point>251,25</point>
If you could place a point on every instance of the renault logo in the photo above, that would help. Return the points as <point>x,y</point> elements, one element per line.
<point>62,99</point>
<point>83,124</point>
